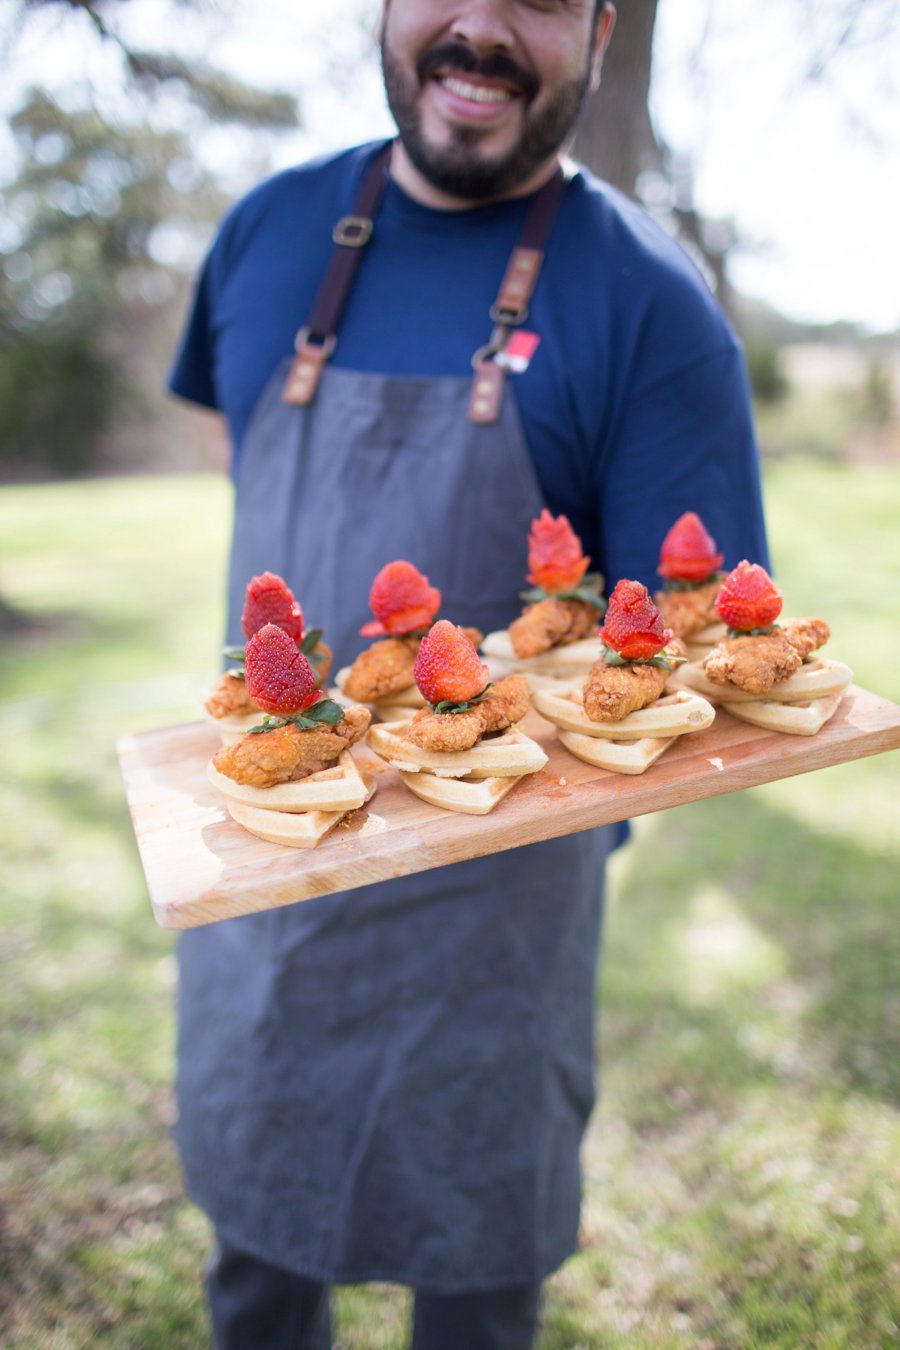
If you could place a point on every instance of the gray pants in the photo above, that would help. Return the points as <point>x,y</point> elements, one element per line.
<point>255,1306</point>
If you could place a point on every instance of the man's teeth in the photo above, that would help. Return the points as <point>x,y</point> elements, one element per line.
<point>476,93</point>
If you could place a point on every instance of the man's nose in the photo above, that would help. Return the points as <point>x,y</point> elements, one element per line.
<point>486,25</point>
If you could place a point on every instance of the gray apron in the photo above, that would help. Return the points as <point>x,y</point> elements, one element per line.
<point>392,1083</point>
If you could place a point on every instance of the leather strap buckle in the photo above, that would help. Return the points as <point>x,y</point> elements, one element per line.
<point>352,231</point>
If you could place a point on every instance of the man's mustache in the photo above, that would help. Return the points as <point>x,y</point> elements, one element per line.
<point>457,56</point>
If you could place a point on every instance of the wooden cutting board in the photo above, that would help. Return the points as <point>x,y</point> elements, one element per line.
<point>201,866</point>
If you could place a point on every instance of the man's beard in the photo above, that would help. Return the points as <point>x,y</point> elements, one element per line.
<point>459,168</point>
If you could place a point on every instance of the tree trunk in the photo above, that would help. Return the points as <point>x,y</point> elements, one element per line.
<point>616,138</point>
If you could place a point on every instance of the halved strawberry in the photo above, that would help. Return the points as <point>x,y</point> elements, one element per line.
<point>448,669</point>
<point>401,600</point>
<point>748,598</point>
<point>279,677</point>
<point>270,600</point>
<point>555,560</point>
<point>688,551</point>
<point>633,626</point>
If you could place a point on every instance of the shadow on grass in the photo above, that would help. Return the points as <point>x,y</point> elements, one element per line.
<point>810,915</point>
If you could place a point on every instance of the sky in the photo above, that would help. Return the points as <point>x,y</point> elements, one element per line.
<point>809,171</point>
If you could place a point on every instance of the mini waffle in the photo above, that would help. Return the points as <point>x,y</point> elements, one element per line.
<point>341,787</point>
<point>511,754</point>
<point>797,706</point>
<point>470,796</point>
<point>632,744</point>
<point>231,729</point>
<point>698,644</point>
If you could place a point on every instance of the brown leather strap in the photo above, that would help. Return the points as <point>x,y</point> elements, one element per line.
<point>511,305</point>
<point>316,340</point>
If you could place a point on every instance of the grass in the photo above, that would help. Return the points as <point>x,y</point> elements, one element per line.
<point>743,1170</point>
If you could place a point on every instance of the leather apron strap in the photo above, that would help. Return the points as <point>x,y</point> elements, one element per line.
<point>317,339</point>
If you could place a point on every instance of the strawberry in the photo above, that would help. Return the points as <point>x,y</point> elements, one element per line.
<point>401,600</point>
<point>555,559</point>
<point>448,668</point>
<point>270,600</point>
<point>279,677</point>
<point>633,626</point>
<point>688,551</point>
<point>748,598</point>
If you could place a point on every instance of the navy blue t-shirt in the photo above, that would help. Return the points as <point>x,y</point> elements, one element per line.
<point>634,406</point>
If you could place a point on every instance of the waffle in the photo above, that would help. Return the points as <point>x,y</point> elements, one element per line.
<point>632,744</point>
<point>231,729</point>
<point>470,781</point>
<point>329,791</point>
<point>817,682</point>
<point>511,754</point>
<point>562,664</point>
<point>470,796</point>
<point>698,644</point>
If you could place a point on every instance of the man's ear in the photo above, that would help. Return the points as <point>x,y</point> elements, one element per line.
<point>606,22</point>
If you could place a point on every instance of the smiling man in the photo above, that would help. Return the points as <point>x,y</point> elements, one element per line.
<point>417,347</point>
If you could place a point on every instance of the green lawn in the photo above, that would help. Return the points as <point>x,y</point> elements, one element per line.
<point>743,1171</point>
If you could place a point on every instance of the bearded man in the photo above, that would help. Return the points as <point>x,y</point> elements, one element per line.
<point>392,1084</point>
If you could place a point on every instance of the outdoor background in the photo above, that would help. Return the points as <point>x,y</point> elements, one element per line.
<point>743,1168</point>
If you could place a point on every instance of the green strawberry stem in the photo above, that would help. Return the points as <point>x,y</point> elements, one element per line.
<point>588,590</point>
<point>663,660</point>
<point>753,632</point>
<point>447,706</point>
<point>324,711</point>
<point>680,584</point>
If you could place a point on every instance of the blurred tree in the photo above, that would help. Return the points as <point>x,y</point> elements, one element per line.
<point>617,138</point>
<point>108,204</point>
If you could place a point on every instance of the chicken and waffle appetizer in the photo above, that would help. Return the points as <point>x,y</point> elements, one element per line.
<point>461,749</point>
<point>268,600</point>
<point>405,606</point>
<point>623,717</point>
<point>689,566</point>
<point>291,777</point>
<point>555,638</point>
<point>763,672</point>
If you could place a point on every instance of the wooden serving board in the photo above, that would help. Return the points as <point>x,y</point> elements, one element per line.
<point>201,866</point>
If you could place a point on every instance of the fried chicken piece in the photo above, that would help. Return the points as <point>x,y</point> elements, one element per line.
<point>806,635</point>
<point>506,704</point>
<point>755,663</point>
<point>290,753</point>
<point>384,668</point>
<point>229,698</point>
<point>612,692</point>
<point>551,623</point>
<point>387,667</point>
<point>687,612</point>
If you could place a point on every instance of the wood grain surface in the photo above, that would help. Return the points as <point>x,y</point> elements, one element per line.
<point>201,866</point>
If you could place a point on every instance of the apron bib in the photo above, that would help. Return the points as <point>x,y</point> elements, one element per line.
<point>392,1083</point>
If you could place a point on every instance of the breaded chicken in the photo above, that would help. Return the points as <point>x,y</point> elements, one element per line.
<point>754,664</point>
<point>506,704</point>
<point>806,635</point>
<point>687,612</point>
<point>612,692</point>
<point>387,667</point>
<point>229,698</point>
<point>322,669</point>
<point>551,623</point>
<point>289,753</point>
<point>384,668</point>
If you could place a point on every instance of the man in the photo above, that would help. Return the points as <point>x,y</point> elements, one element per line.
<point>392,1083</point>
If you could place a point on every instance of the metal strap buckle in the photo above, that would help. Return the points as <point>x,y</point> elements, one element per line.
<point>509,317</point>
<point>352,231</point>
<point>305,339</point>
